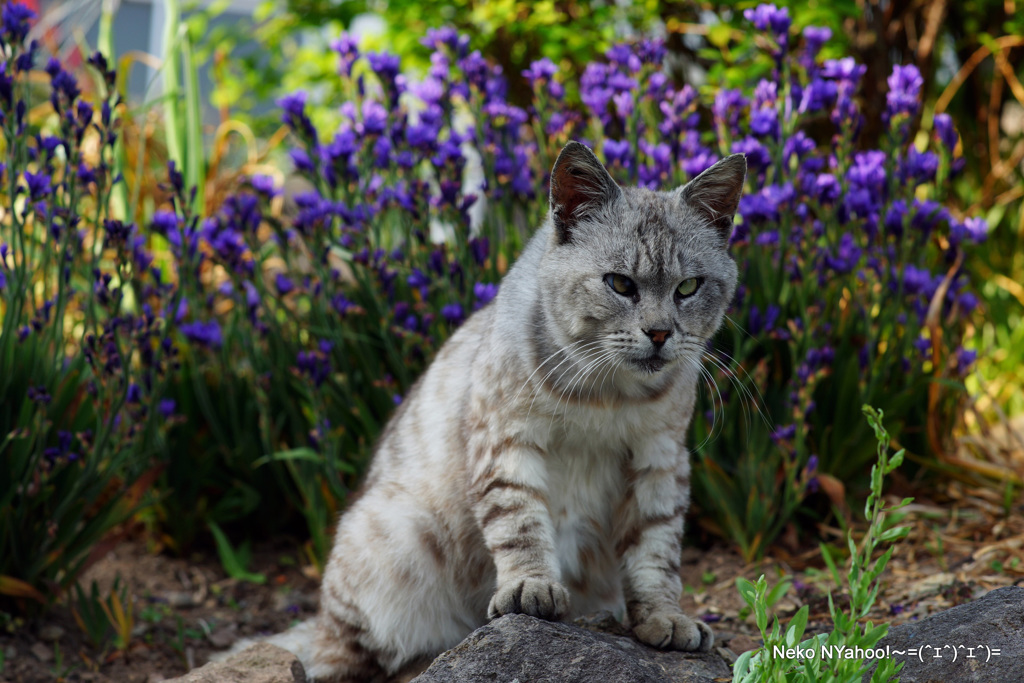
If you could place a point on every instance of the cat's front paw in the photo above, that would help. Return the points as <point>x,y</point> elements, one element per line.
<point>536,597</point>
<point>675,631</point>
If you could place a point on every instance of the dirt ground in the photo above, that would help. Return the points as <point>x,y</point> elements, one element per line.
<point>966,539</point>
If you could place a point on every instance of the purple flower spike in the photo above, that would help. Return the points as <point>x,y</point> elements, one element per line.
<point>973,229</point>
<point>348,50</point>
<point>946,131</point>
<point>16,19</point>
<point>264,184</point>
<point>771,18</point>
<point>618,151</point>
<point>904,94</point>
<point>166,407</point>
<point>815,37</point>
<point>38,185</point>
<point>540,72</point>
<point>204,334</point>
<point>283,284</point>
<point>485,293</point>
<point>453,313</point>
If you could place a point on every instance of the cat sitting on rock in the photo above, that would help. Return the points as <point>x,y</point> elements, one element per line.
<point>539,465</point>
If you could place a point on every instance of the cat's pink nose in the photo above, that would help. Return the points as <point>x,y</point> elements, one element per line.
<point>658,336</point>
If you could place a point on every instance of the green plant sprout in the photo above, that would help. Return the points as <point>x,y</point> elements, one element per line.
<point>862,583</point>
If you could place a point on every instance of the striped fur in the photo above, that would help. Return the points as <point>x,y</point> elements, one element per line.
<point>539,465</point>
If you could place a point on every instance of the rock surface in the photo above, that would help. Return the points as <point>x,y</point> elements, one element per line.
<point>261,663</point>
<point>993,623</point>
<point>528,650</point>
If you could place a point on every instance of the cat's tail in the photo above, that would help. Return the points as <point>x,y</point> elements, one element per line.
<point>331,654</point>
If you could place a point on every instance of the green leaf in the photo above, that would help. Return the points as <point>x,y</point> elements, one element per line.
<point>797,625</point>
<point>776,593</point>
<point>231,559</point>
<point>301,453</point>
<point>894,534</point>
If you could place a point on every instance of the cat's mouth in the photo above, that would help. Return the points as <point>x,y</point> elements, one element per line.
<point>651,364</point>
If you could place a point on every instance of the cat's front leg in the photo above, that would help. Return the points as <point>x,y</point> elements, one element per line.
<point>650,544</point>
<point>511,508</point>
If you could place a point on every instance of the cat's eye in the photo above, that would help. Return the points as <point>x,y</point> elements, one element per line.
<point>621,284</point>
<point>687,287</point>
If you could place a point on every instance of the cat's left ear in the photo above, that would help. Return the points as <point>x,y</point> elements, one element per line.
<point>716,192</point>
<point>580,184</point>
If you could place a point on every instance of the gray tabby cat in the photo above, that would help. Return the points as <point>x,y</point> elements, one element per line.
<point>539,465</point>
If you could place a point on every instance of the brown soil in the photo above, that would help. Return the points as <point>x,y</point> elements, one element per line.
<point>184,610</point>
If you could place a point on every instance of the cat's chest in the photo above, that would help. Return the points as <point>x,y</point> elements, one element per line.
<point>588,458</point>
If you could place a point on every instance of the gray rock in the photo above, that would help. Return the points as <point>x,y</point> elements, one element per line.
<point>518,647</point>
<point>261,663</point>
<point>993,623</point>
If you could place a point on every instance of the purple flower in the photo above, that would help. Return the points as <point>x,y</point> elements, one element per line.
<point>618,151</point>
<point>826,188</point>
<point>784,433</point>
<point>386,65</point>
<point>758,156</point>
<point>166,407</point>
<point>134,393</point>
<point>701,160</point>
<point>770,18</point>
<point>904,94</point>
<point>815,37</point>
<point>348,50</point>
<point>438,38</point>
<point>38,185</point>
<point>818,95</point>
<point>62,449</point>
<point>964,360</point>
<point>894,217</point>
<point>727,107</point>
<point>845,69</point>
<point>919,166</point>
<point>419,280</point>
<point>301,160</point>
<point>763,323</point>
<point>484,293</point>
<point>624,104</point>
<point>845,258</point>
<point>16,19</point>
<point>479,247</point>
<point>294,115</point>
<point>765,122</point>
<point>375,118</point>
<point>283,284</point>
<point>165,223</point>
<point>315,365</point>
<point>622,55</point>
<point>946,131</point>
<point>967,301</point>
<point>680,112</point>
<point>453,313</point>
<point>252,295</point>
<point>974,229</point>
<point>264,184</point>
<point>540,72</point>
<point>206,334</point>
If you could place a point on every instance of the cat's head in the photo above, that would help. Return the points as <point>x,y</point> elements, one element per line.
<point>635,279</point>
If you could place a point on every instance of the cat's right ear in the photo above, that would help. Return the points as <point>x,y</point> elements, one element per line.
<point>580,184</point>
